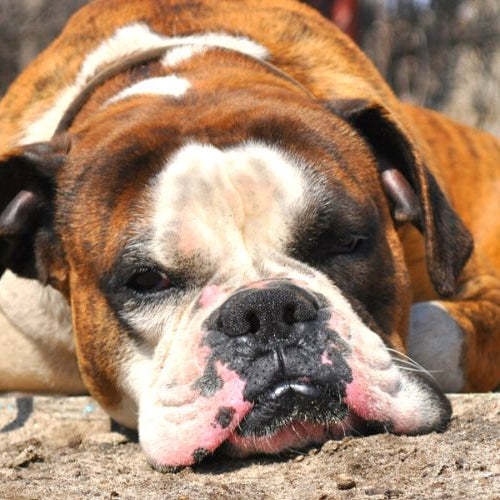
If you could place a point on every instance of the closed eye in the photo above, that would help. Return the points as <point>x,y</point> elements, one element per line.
<point>348,247</point>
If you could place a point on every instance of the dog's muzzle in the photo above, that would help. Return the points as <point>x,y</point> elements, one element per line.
<point>276,366</point>
<point>275,338</point>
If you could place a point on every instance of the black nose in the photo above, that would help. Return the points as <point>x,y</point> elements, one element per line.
<point>266,313</point>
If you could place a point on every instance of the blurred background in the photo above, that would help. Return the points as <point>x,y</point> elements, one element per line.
<point>443,54</point>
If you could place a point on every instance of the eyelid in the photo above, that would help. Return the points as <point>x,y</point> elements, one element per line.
<point>348,247</point>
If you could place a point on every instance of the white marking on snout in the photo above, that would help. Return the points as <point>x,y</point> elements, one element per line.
<point>226,204</point>
<point>229,208</point>
<point>131,39</point>
<point>435,341</point>
<point>171,85</point>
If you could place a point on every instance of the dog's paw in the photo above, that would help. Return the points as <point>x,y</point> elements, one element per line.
<point>435,341</point>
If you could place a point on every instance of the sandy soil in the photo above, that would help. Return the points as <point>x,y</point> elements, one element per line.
<point>67,448</point>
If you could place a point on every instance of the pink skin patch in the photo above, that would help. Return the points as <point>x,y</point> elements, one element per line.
<point>176,435</point>
<point>376,391</point>
<point>378,396</point>
<point>325,360</point>
<point>211,295</point>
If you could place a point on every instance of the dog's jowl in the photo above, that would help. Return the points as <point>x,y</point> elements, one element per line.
<point>242,242</point>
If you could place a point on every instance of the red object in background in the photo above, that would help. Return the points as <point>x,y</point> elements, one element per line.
<point>344,13</point>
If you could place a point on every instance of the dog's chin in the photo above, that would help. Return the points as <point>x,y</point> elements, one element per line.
<point>290,416</point>
<point>288,402</point>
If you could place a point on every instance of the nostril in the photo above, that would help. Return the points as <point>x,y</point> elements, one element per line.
<point>253,322</point>
<point>289,314</point>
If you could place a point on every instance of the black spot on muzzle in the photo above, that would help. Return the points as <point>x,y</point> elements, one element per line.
<point>225,416</point>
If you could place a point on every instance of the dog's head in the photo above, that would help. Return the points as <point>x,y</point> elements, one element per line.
<point>233,265</point>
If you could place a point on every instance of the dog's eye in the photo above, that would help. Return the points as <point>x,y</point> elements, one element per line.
<point>148,281</point>
<point>348,247</point>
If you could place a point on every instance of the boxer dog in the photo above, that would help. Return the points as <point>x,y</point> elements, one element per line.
<point>221,212</point>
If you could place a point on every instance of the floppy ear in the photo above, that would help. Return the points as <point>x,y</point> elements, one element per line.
<point>28,245</point>
<point>413,192</point>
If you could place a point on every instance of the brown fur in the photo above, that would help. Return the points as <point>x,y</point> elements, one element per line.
<point>308,48</point>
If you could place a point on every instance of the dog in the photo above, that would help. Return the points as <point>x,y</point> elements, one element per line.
<point>218,219</point>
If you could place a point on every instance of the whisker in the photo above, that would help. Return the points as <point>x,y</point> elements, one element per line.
<point>407,369</point>
<point>407,363</point>
<point>351,428</point>
<point>410,361</point>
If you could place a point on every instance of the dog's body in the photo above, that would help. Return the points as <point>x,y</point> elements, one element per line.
<point>248,293</point>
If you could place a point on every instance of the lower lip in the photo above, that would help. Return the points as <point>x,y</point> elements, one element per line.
<point>307,390</point>
<point>296,435</point>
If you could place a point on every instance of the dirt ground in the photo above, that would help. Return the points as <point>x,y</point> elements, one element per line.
<point>67,448</point>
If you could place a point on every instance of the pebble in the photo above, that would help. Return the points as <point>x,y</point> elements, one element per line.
<point>27,456</point>
<point>112,438</point>
<point>345,482</point>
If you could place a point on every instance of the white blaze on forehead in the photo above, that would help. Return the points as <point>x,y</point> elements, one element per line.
<point>226,204</point>
<point>126,41</point>
<point>165,85</point>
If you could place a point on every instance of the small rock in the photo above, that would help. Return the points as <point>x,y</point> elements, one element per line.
<point>298,458</point>
<point>373,491</point>
<point>112,438</point>
<point>330,446</point>
<point>390,493</point>
<point>185,471</point>
<point>345,482</point>
<point>74,441</point>
<point>29,455</point>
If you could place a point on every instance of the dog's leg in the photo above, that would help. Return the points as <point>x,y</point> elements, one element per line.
<point>37,352</point>
<point>459,340</point>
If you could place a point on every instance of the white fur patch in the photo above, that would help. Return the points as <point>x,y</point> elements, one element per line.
<point>222,40</point>
<point>436,342</point>
<point>164,85</point>
<point>232,202</point>
<point>131,39</point>
<point>136,373</point>
<point>179,54</point>
<point>231,209</point>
